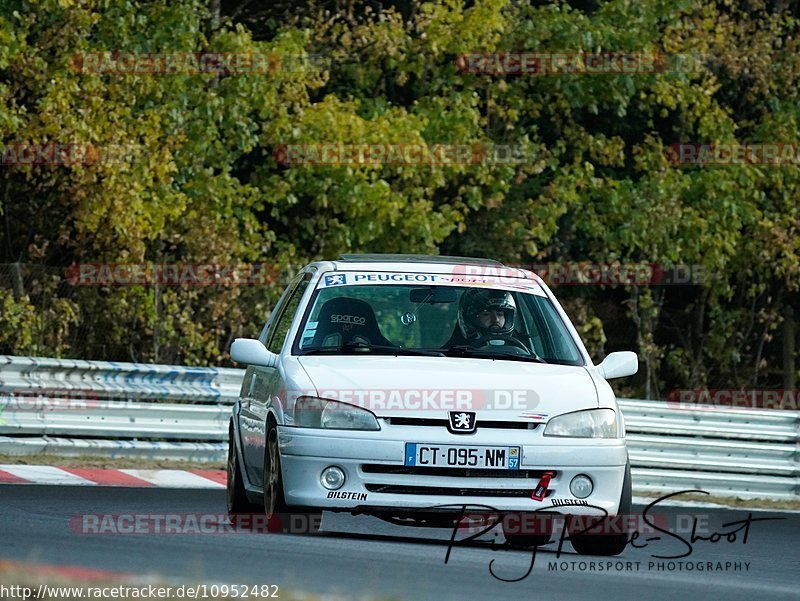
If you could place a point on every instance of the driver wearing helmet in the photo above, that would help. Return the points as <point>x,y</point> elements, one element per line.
<point>483,313</point>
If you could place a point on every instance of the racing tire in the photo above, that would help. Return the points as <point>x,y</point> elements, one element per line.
<point>236,497</point>
<point>523,541</point>
<point>526,541</point>
<point>606,545</point>
<point>280,516</point>
<point>421,519</point>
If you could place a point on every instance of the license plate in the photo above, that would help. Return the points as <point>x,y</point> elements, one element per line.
<point>446,455</point>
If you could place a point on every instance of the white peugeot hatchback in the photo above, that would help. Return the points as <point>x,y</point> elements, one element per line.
<point>410,387</point>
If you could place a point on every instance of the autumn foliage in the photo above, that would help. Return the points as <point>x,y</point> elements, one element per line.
<point>171,116</point>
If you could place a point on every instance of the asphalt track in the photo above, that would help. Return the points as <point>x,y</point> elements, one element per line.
<point>364,557</point>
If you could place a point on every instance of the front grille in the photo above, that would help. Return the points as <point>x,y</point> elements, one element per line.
<point>457,472</point>
<point>442,423</point>
<point>449,491</point>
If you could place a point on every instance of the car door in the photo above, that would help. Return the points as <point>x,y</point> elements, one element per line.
<point>265,381</point>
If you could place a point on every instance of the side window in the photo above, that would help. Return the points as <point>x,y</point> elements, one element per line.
<point>553,341</point>
<point>269,327</point>
<point>286,317</point>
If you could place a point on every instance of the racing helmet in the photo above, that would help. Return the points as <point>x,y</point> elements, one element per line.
<point>475,300</point>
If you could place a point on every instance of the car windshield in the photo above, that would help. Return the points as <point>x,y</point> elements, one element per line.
<point>515,322</point>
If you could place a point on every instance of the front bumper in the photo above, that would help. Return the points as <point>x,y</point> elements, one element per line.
<point>371,460</point>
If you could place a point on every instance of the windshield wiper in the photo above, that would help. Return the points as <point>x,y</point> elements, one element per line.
<point>362,348</point>
<point>463,350</point>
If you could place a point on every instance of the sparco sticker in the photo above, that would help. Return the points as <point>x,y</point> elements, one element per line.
<point>354,319</point>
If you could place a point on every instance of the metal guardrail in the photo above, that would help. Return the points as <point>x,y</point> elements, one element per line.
<point>111,380</point>
<point>660,418</point>
<point>726,452</point>
<point>123,419</point>
<point>115,410</point>
<point>97,408</point>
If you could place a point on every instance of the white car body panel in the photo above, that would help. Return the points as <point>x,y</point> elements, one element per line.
<point>471,384</point>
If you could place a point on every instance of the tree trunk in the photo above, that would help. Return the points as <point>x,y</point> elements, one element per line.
<point>789,333</point>
<point>157,302</point>
<point>214,9</point>
<point>17,283</point>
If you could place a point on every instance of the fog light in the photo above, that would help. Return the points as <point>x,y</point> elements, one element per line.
<point>581,486</point>
<point>332,478</point>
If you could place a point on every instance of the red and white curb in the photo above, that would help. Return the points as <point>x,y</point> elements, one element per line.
<point>75,476</point>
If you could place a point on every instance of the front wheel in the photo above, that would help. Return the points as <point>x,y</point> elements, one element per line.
<point>602,545</point>
<point>280,516</point>
<point>236,498</point>
<point>526,530</point>
<point>613,536</point>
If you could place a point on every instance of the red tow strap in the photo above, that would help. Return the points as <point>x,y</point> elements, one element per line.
<point>540,491</point>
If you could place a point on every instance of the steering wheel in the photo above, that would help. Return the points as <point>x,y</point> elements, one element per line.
<point>484,341</point>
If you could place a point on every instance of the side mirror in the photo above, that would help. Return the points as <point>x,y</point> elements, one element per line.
<point>252,352</point>
<point>618,365</point>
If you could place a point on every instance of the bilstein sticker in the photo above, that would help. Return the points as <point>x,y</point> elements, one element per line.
<point>559,502</point>
<point>355,496</point>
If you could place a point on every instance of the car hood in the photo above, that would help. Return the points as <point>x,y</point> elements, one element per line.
<point>430,387</point>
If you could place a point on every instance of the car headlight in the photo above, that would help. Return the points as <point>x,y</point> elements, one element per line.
<point>594,423</point>
<point>313,412</point>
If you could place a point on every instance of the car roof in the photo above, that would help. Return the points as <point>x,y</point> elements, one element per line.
<point>403,258</point>
<point>411,263</point>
